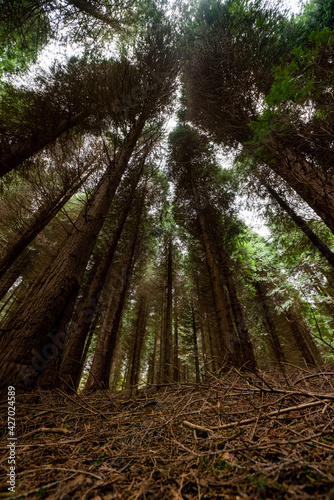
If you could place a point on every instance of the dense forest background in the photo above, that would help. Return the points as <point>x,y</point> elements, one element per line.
<point>167,239</point>
<point>125,259</point>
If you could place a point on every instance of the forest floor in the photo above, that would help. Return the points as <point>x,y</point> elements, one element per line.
<point>230,437</point>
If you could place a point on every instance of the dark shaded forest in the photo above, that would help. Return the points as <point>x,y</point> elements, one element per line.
<point>167,249</point>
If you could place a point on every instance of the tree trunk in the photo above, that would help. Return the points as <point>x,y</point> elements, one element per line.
<point>206,354</point>
<point>176,375</point>
<point>198,377</point>
<point>245,342</point>
<point>167,350</point>
<point>138,342</point>
<point>71,364</point>
<point>34,336</point>
<point>317,242</point>
<point>227,335</point>
<point>26,148</point>
<point>270,323</point>
<point>100,371</point>
<point>15,272</point>
<point>309,181</point>
<point>300,342</point>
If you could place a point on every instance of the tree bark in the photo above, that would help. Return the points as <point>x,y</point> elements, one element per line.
<point>202,332</point>
<point>26,148</point>
<point>300,342</point>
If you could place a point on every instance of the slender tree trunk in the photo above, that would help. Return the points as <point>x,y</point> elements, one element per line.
<point>104,331</point>
<point>167,350</point>
<point>155,366</point>
<point>227,335</point>
<point>176,375</point>
<point>301,343</point>
<point>245,342</point>
<point>138,342</point>
<point>34,336</point>
<point>36,224</point>
<point>198,377</point>
<point>317,242</point>
<point>270,323</point>
<point>71,367</point>
<point>117,363</point>
<point>100,371</point>
<point>202,332</point>
<point>162,326</point>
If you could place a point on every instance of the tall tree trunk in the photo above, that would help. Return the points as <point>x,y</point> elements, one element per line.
<point>245,342</point>
<point>301,343</point>
<point>34,336</point>
<point>138,341</point>
<point>167,350</point>
<point>161,334</point>
<point>198,377</point>
<point>212,355</point>
<point>227,335</point>
<point>151,376</point>
<point>36,224</point>
<point>71,364</point>
<point>100,370</point>
<point>317,242</point>
<point>206,354</point>
<point>270,323</point>
<point>176,375</point>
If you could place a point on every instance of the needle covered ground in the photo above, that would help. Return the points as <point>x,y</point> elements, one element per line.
<point>233,436</point>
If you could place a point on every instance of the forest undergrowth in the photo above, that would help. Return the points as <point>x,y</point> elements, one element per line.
<point>232,436</point>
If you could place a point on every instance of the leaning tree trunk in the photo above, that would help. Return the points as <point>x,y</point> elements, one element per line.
<point>13,156</point>
<point>33,338</point>
<point>17,270</point>
<point>36,224</point>
<point>309,181</point>
<point>317,242</point>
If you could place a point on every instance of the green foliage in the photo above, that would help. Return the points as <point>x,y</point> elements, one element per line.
<point>22,34</point>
